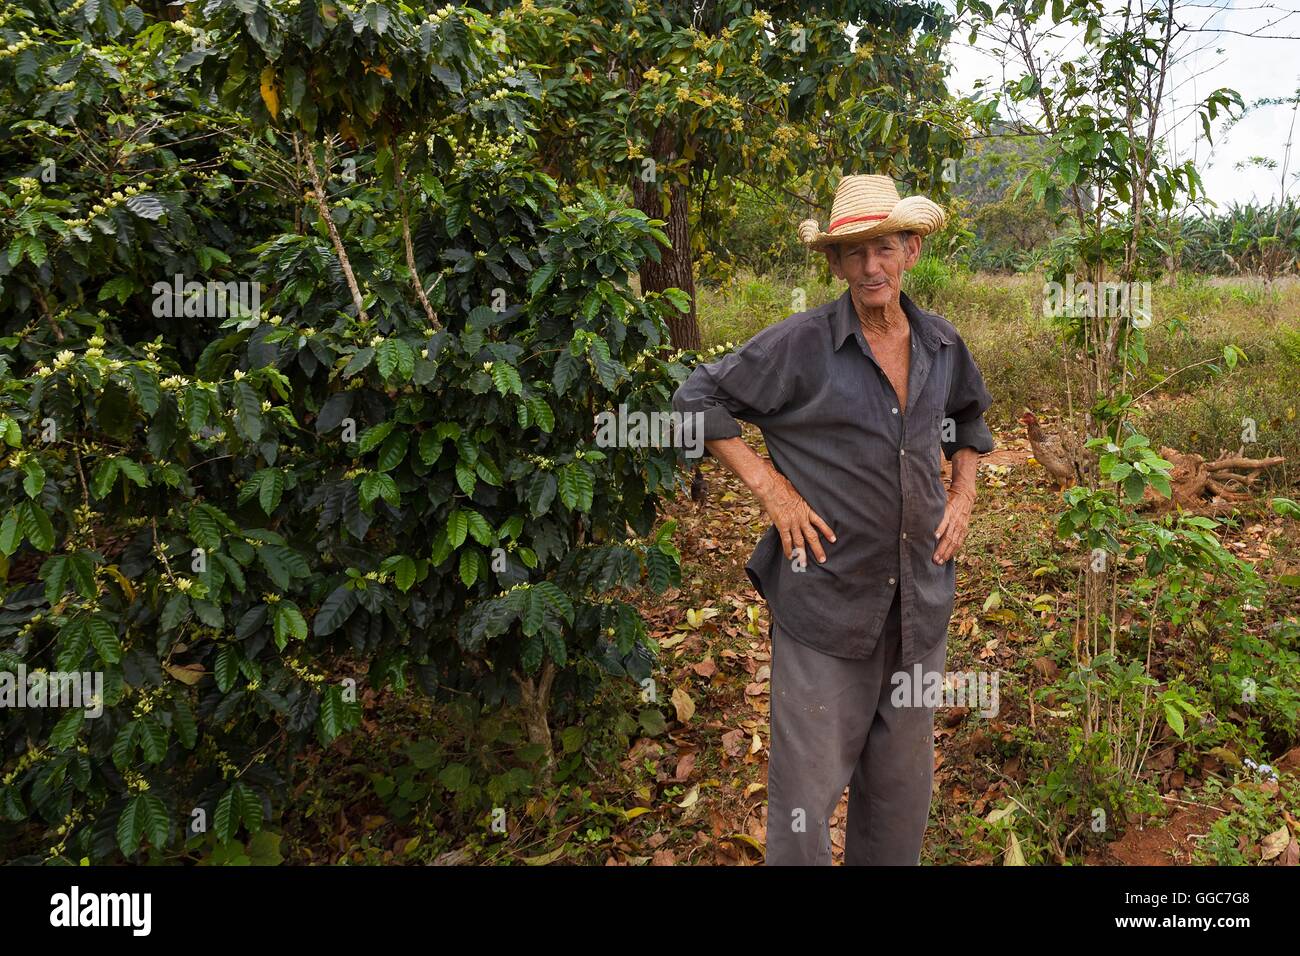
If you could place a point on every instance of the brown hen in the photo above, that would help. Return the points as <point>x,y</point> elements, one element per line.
<point>1062,458</point>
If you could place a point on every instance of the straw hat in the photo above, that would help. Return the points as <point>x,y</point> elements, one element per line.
<point>867,206</point>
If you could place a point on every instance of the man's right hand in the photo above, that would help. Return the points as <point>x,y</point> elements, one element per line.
<point>797,523</point>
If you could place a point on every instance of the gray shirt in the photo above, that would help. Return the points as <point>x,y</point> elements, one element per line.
<point>870,469</point>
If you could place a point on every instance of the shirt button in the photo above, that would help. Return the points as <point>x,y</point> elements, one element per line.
<point>904,535</point>
<point>894,410</point>
<point>902,451</point>
<point>891,580</point>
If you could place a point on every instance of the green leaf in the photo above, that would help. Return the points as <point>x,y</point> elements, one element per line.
<point>152,737</point>
<point>36,525</point>
<point>9,536</point>
<point>430,447</point>
<point>174,611</point>
<point>454,777</point>
<point>289,624</point>
<point>133,471</point>
<point>395,361</point>
<point>541,414</point>
<point>541,277</point>
<point>197,408</point>
<point>1174,717</point>
<point>83,573</point>
<point>55,572</point>
<point>264,849</point>
<point>270,488</point>
<point>1283,506</point>
<point>120,288</point>
<point>225,821</point>
<point>465,478</point>
<point>441,549</point>
<point>104,638</point>
<point>541,492</point>
<point>576,486</point>
<point>404,574</point>
<point>146,206</point>
<point>124,745</point>
<point>205,528</point>
<point>227,668</point>
<point>101,482</point>
<point>334,611</point>
<point>145,815</point>
<point>534,615</point>
<point>680,300</point>
<point>652,722</point>
<point>457,528</point>
<point>147,392</point>
<point>372,437</point>
<point>250,807</point>
<point>130,827</point>
<point>34,479</point>
<point>248,408</point>
<point>331,715</point>
<point>64,734</point>
<point>375,486</point>
<point>394,451</point>
<point>187,728</point>
<point>478,526</point>
<point>358,361</point>
<point>469,560</point>
<point>506,379</point>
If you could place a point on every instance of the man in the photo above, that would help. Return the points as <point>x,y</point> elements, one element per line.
<point>855,400</point>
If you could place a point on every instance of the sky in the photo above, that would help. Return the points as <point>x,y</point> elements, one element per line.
<point>1224,56</point>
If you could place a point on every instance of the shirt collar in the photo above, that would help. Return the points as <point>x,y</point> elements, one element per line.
<point>844,322</point>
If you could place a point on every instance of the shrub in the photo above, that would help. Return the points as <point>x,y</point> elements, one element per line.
<point>214,514</point>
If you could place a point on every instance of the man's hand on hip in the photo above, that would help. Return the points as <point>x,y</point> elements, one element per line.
<point>797,523</point>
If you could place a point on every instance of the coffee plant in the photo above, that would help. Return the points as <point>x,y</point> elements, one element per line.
<point>300,359</point>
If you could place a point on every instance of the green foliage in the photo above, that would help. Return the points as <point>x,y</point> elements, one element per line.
<point>927,279</point>
<point>223,509</point>
<point>1243,239</point>
<point>1259,679</point>
<point>1258,807</point>
<point>740,92</point>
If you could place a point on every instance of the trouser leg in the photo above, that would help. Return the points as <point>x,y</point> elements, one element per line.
<point>820,715</point>
<point>891,785</point>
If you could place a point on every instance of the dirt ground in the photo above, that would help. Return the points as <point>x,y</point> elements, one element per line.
<point>714,639</point>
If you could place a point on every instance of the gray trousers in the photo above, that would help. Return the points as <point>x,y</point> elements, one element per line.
<point>833,723</point>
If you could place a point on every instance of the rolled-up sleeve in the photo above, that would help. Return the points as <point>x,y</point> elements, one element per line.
<point>968,399</point>
<point>740,385</point>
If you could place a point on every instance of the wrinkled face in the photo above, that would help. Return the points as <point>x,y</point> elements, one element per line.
<point>874,268</point>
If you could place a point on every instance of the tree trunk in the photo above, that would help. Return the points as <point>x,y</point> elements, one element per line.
<point>674,268</point>
<point>535,706</point>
